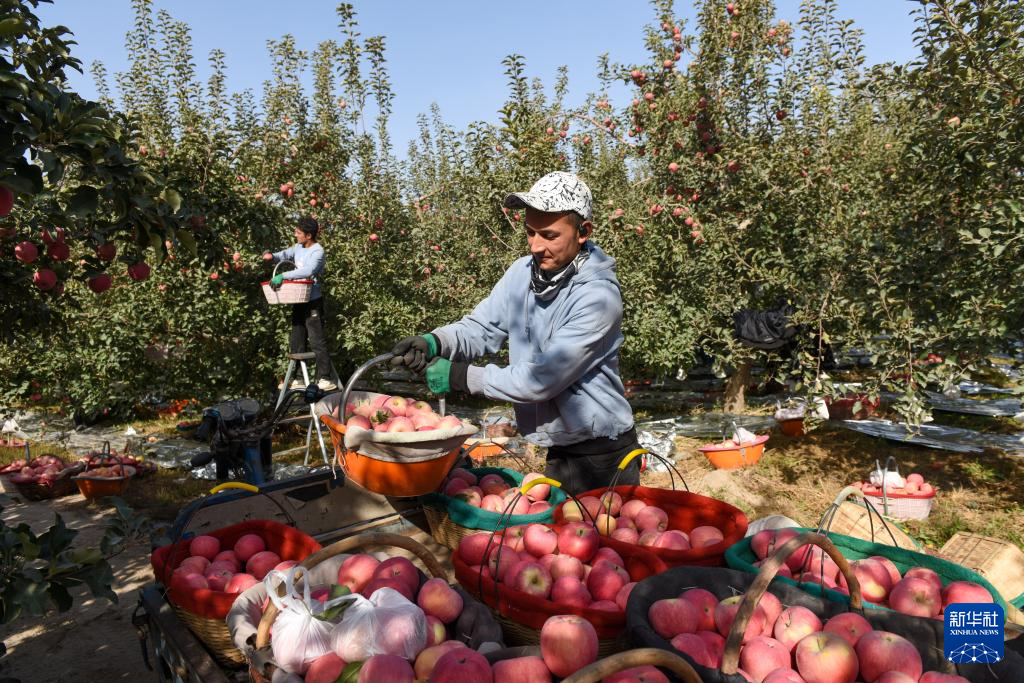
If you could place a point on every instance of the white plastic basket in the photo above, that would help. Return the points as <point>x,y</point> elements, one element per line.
<point>899,505</point>
<point>290,291</point>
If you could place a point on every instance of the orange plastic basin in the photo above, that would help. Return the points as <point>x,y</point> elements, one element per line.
<point>388,477</point>
<point>794,427</point>
<point>730,458</point>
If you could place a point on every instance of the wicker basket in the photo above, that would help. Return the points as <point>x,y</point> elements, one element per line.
<point>215,635</point>
<point>433,567</point>
<point>290,291</point>
<point>853,520</point>
<point>443,529</point>
<point>63,485</point>
<point>999,561</point>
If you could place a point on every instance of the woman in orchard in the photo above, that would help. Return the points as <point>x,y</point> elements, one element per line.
<point>307,318</point>
<point>560,310</point>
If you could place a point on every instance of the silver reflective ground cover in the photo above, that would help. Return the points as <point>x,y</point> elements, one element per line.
<point>937,436</point>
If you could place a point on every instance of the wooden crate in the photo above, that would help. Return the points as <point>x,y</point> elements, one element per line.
<point>852,520</point>
<point>1001,562</point>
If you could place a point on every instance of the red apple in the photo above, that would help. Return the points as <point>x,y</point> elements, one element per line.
<point>772,607</point>
<point>606,580</point>
<point>926,574</point>
<point>437,599</point>
<point>794,624</point>
<point>26,252</point>
<point>763,655</point>
<point>715,644</point>
<point>567,643</point>
<point>540,491</point>
<point>391,668</point>
<point>673,539</point>
<point>521,670</point>
<point>501,560</point>
<point>622,597</point>
<point>395,584</point>
<point>473,547</point>
<point>631,507</point>
<point>571,592</point>
<point>611,503</point>
<point>764,543</point>
<point>493,484</point>
<point>44,279</point>
<point>890,566</point>
<point>651,518</point>
<point>850,626</point>
<point>875,583</point>
<point>826,658</point>
<point>692,645</point>
<point>965,591</point>
<point>427,659</point>
<point>705,602</point>
<point>637,674</point>
<point>401,569</point>
<point>881,651</point>
<point>936,677</point>
<point>324,669</point>
<point>671,616</point>
<point>705,536</point>
<point>896,677</point>
<point>916,596</point>
<point>540,540</point>
<point>626,535</point>
<point>6,201</point>
<point>99,283</point>
<point>530,578</point>
<point>786,675</point>
<point>581,542</point>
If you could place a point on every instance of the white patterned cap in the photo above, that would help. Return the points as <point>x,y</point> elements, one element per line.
<point>555,192</point>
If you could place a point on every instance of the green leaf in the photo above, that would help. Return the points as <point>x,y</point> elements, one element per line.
<point>172,198</point>
<point>11,26</point>
<point>187,240</point>
<point>350,674</point>
<point>83,201</point>
<point>985,233</point>
<point>332,614</point>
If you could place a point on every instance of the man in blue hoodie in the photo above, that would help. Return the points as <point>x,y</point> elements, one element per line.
<point>560,310</point>
<point>307,318</point>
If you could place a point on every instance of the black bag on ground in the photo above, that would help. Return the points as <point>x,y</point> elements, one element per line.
<point>767,330</point>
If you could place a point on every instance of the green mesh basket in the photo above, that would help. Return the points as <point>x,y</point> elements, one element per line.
<point>741,556</point>
<point>470,517</point>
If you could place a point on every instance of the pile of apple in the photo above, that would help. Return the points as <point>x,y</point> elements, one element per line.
<point>491,492</point>
<point>228,570</point>
<point>136,466</point>
<point>634,521</point>
<point>567,565</point>
<point>789,644</point>
<point>439,659</point>
<point>385,413</point>
<point>919,592</point>
<point>914,485</point>
<point>43,470</point>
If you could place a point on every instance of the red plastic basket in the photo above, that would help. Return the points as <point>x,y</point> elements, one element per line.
<point>685,511</point>
<point>532,611</point>
<point>289,543</point>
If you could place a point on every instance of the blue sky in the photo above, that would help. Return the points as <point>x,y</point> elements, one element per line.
<point>443,51</point>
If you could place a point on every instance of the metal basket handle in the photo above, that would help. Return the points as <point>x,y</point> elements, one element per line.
<point>278,265</point>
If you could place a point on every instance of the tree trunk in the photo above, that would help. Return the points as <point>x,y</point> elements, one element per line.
<point>736,388</point>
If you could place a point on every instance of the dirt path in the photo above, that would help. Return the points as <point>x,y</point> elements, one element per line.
<point>94,640</point>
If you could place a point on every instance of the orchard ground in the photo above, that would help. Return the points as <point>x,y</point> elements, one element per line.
<point>797,477</point>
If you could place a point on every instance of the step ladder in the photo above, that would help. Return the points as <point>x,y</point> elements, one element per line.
<point>300,361</point>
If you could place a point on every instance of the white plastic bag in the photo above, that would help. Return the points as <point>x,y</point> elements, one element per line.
<point>384,624</point>
<point>298,637</point>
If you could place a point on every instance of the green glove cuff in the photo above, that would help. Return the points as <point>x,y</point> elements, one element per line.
<point>437,374</point>
<point>434,348</point>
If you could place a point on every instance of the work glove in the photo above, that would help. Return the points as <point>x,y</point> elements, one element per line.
<point>414,352</point>
<point>275,282</point>
<point>444,376</point>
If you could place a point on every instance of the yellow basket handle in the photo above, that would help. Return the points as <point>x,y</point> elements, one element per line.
<point>536,482</point>
<point>234,485</point>
<point>632,455</point>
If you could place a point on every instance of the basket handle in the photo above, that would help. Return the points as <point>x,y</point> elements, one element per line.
<point>278,265</point>
<point>653,656</point>
<point>896,471</point>
<point>637,452</point>
<point>825,522</point>
<point>343,546</point>
<point>731,654</point>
